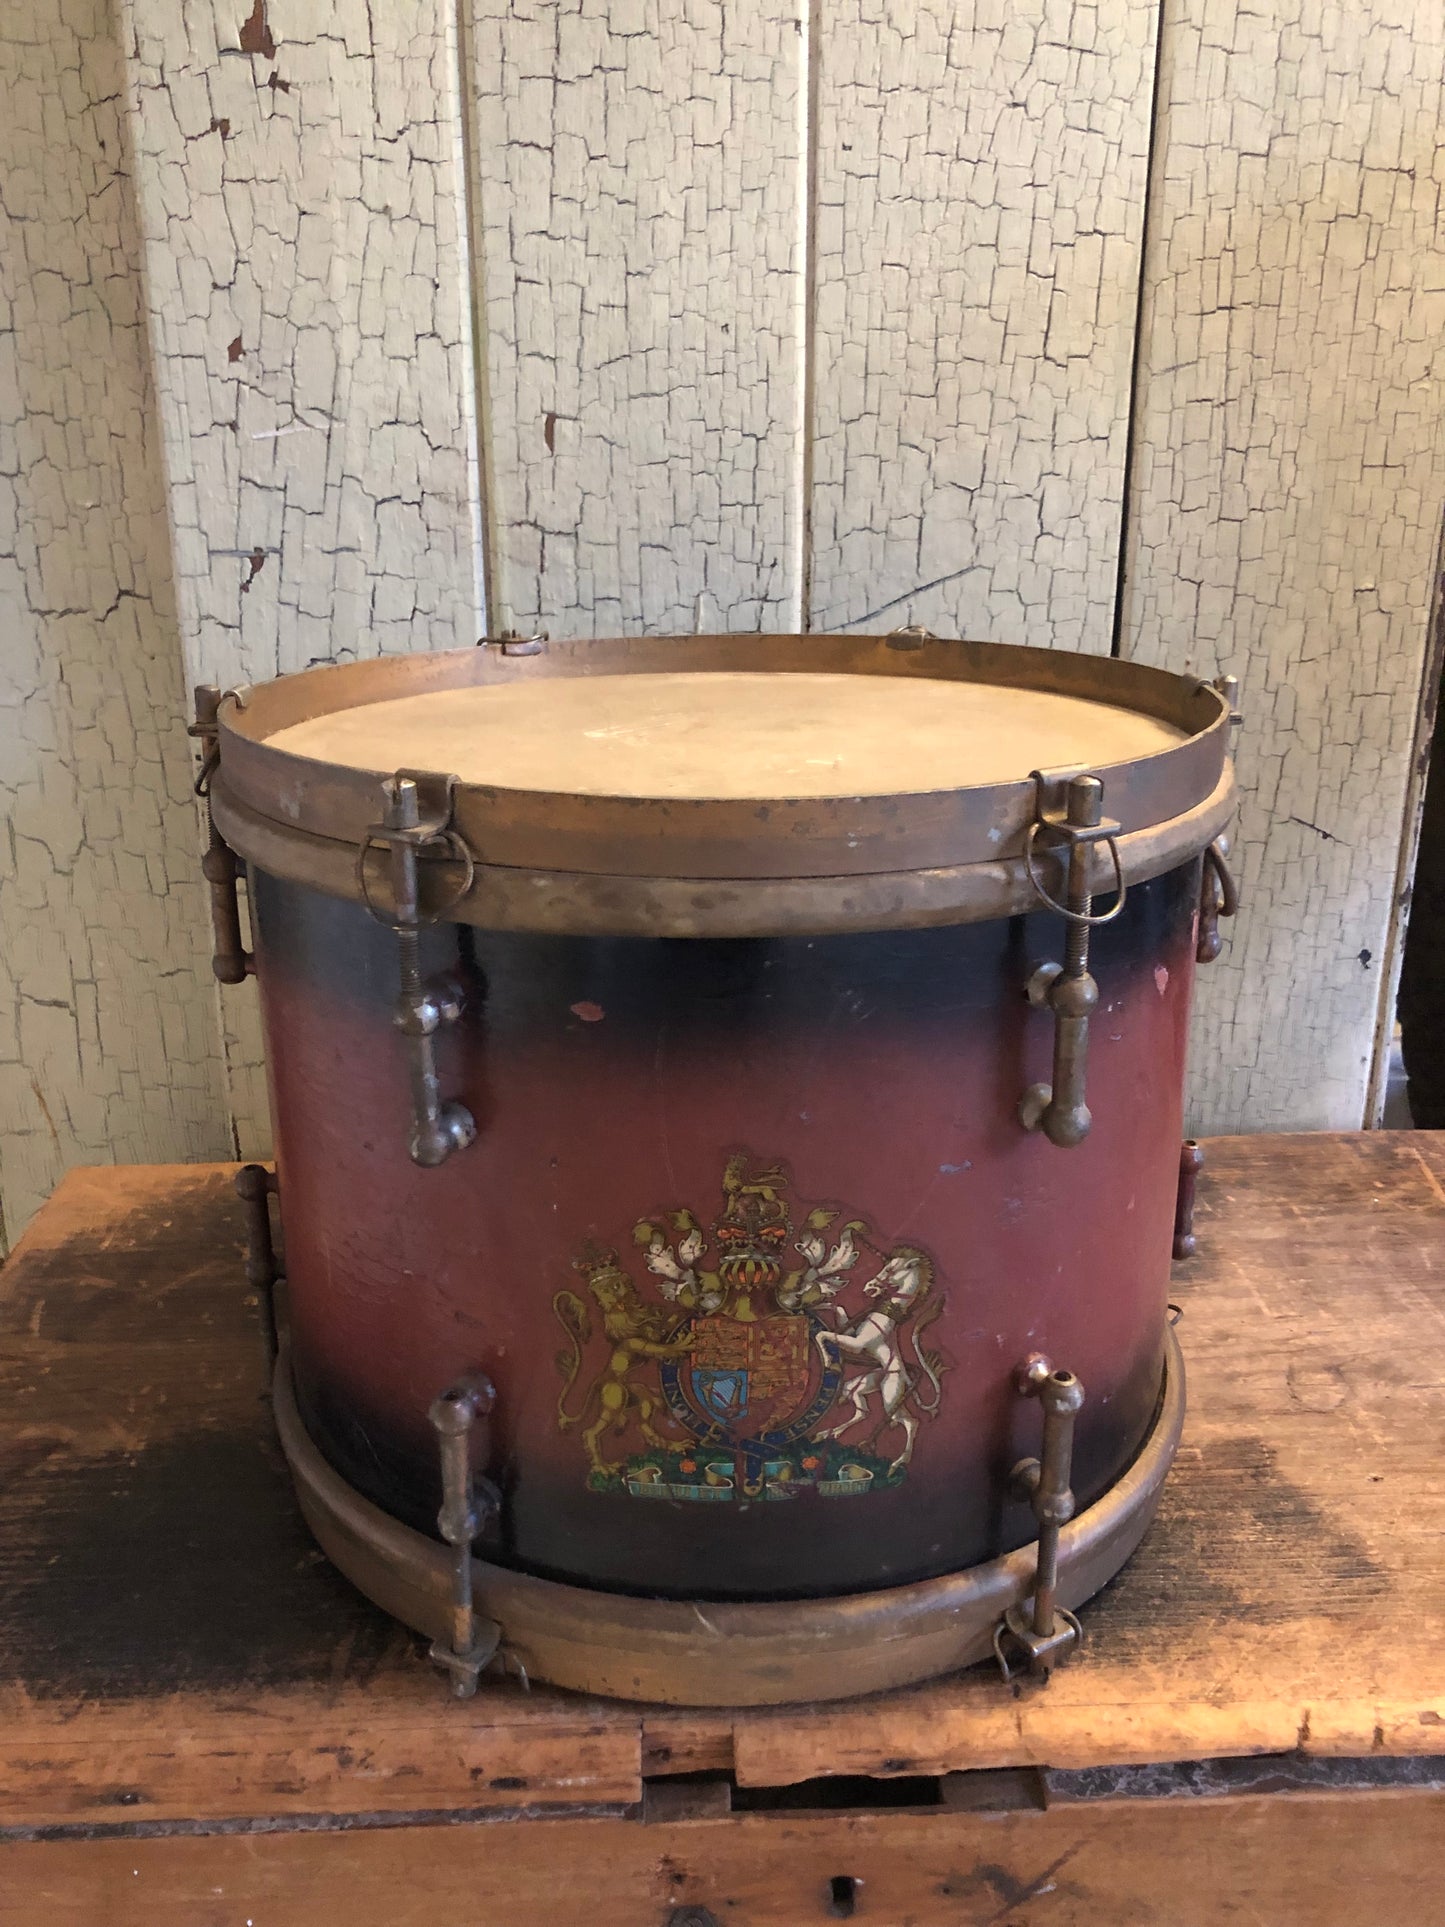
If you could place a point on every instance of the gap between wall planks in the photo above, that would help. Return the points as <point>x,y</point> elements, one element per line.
<point>107,1009</point>
<point>1286,503</point>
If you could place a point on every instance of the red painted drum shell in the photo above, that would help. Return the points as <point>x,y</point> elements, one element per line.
<point>702,1169</point>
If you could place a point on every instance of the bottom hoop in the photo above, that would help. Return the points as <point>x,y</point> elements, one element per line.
<point>709,1653</point>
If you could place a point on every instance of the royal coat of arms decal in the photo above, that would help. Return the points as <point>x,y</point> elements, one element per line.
<point>761,1360</point>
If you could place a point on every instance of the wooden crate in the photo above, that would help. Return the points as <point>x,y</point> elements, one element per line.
<point>201,1723</point>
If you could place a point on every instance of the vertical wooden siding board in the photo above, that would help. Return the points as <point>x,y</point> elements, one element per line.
<point>1286,500</point>
<point>107,1008</point>
<point>640,176</point>
<point>302,199</point>
<point>306,246</point>
<point>981,180</point>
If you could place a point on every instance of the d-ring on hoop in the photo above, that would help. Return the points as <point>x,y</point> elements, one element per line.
<point>1067,989</point>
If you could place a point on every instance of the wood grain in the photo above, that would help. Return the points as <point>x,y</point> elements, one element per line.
<point>171,1646</point>
<point>1292,1860</point>
<point>1286,504</point>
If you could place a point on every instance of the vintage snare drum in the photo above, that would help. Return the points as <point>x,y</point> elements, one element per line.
<point>727,1098</point>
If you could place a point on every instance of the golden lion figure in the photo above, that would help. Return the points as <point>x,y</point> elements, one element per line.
<point>637,1332</point>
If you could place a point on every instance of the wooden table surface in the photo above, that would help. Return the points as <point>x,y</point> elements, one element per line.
<point>197,1716</point>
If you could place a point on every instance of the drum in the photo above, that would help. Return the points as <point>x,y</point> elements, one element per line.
<point>727,1098</point>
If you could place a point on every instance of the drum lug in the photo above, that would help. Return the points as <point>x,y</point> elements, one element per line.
<point>230,959</point>
<point>468,1503</point>
<point>255,1187</point>
<point>1068,810</point>
<point>1038,1634</point>
<point>417,817</point>
<point>1218,897</point>
<point>1191,1163</point>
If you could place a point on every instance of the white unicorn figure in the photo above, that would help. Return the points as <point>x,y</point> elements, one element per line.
<point>904,1284</point>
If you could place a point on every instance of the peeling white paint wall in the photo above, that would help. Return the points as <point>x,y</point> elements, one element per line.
<point>107,1008</point>
<point>601,314</point>
<point>980,189</point>
<point>1287,496</point>
<point>641,179</point>
<point>300,173</point>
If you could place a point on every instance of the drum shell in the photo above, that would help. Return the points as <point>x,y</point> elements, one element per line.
<point>612,1079</point>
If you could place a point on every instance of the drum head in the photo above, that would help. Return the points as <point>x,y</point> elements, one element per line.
<point>598,783</point>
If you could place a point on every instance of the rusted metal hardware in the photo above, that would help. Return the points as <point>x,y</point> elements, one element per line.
<point>1039,1634</point>
<point>512,642</point>
<point>418,817</point>
<point>255,1187</point>
<point>467,1504</point>
<point>1218,897</point>
<point>1058,1109</point>
<point>1191,1163</point>
<point>1228,688</point>
<point>230,960</point>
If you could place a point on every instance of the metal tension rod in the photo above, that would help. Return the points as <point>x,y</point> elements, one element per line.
<point>1067,989</point>
<point>1040,1630</point>
<point>438,1126</point>
<point>467,1505</point>
<point>230,959</point>
<point>255,1187</point>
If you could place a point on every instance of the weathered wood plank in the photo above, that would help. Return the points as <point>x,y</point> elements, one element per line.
<point>1286,501</point>
<point>301,200</point>
<point>301,189</point>
<point>640,195</point>
<point>1345,1860</point>
<point>107,1012</point>
<point>980,196</point>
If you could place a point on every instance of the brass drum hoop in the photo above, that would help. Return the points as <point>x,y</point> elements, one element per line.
<point>562,903</point>
<point>695,842</point>
<point>728,1653</point>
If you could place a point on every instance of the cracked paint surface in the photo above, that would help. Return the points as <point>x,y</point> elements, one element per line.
<point>1286,501</point>
<point>640,199</point>
<point>107,1009</point>
<point>981,179</point>
<point>306,250</point>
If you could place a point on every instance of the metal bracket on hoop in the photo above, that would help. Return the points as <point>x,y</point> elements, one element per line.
<point>512,642</point>
<point>1218,897</point>
<point>1068,810</point>
<point>467,1504</point>
<point>417,817</point>
<point>231,961</point>
<point>1039,1632</point>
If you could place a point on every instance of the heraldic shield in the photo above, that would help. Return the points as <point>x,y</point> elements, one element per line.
<point>765,1361</point>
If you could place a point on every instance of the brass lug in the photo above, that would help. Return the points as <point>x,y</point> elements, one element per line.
<point>417,818</point>
<point>1037,1634</point>
<point>1068,811</point>
<point>1218,897</point>
<point>468,1504</point>
<point>255,1187</point>
<point>231,961</point>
